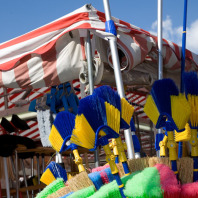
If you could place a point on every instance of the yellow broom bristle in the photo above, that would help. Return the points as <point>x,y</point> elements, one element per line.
<point>180,110</point>
<point>127,110</point>
<point>83,134</point>
<point>151,110</point>
<point>193,101</point>
<point>183,136</point>
<point>47,177</point>
<point>113,117</point>
<point>55,139</point>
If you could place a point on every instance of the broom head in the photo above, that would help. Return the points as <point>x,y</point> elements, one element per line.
<point>98,121</point>
<point>61,131</point>
<point>52,172</point>
<point>181,111</point>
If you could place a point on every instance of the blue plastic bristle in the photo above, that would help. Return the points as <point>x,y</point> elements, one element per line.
<point>108,94</point>
<point>64,123</point>
<point>109,174</point>
<point>190,83</point>
<point>93,110</point>
<point>161,92</point>
<point>96,179</point>
<point>132,125</point>
<point>57,171</point>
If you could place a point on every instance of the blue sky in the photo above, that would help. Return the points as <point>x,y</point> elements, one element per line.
<point>21,16</point>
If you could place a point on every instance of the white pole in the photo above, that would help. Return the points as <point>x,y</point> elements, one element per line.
<point>91,84</point>
<point>160,58</point>
<point>6,177</point>
<point>118,79</point>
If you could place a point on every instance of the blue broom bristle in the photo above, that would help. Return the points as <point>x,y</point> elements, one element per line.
<point>64,123</point>
<point>132,125</point>
<point>108,94</point>
<point>57,171</point>
<point>94,111</point>
<point>190,83</point>
<point>161,92</point>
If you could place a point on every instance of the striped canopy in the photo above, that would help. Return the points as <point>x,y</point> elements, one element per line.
<point>54,53</point>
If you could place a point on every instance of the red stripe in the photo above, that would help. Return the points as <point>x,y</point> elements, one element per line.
<point>57,25</point>
<point>21,72</point>
<point>128,52</point>
<point>27,134</point>
<point>34,137</point>
<point>49,67</point>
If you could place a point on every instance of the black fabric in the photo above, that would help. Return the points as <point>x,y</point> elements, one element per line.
<point>7,125</point>
<point>8,143</point>
<point>19,123</point>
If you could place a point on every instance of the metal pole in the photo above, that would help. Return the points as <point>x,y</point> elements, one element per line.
<point>24,175</point>
<point>32,172</point>
<point>17,174</point>
<point>118,79</point>
<point>160,58</point>
<point>6,177</point>
<point>91,83</point>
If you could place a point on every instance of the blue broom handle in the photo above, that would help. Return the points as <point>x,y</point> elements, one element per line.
<point>195,169</point>
<point>174,167</point>
<point>126,168</point>
<point>120,184</point>
<point>183,55</point>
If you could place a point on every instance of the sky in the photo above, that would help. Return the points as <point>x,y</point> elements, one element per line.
<point>18,17</point>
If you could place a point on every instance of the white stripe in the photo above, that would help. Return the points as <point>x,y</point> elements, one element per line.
<point>8,78</point>
<point>34,134</point>
<point>37,93</point>
<point>36,73</point>
<point>16,98</point>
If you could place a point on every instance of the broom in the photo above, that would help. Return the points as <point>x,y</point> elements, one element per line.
<point>191,91</point>
<point>61,133</point>
<point>52,172</point>
<point>169,107</point>
<point>126,110</point>
<point>97,122</point>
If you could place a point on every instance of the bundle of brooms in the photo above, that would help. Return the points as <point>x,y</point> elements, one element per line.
<point>151,177</point>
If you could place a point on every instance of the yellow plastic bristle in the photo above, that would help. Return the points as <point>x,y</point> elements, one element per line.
<point>47,177</point>
<point>55,139</point>
<point>83,134</point>
<point>113,117</point>
<point>127,110</point>
<point>180,110</point>
<point>183,136</point>
<point>193,101</point>
<point>151,110</point>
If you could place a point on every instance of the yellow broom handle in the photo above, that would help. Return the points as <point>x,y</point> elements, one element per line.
<point>113,145</point>
<point>110,158</point>
<point>78,161</point>
<point>172,146</point>
<point>121,152</point>
<point>163,145</point>
<point>193,142</point>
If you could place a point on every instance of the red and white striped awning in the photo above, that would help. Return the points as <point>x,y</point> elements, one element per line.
<point>53,53</point>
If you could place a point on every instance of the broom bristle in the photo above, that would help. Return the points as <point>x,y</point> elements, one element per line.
<point>180,110</point>
<point>52,172</point>
<point>47,177</point>
<point>161,92</point>
<point>127,111</point>
<point>151,110</point>
<point>190,83</point>
<point>55,139</point>
<point>193,101</point>
<point>183,136</point>
<point>113,117</point>
<point>83,134</point>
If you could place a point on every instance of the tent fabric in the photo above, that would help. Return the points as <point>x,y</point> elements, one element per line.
<point>54,53</point>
